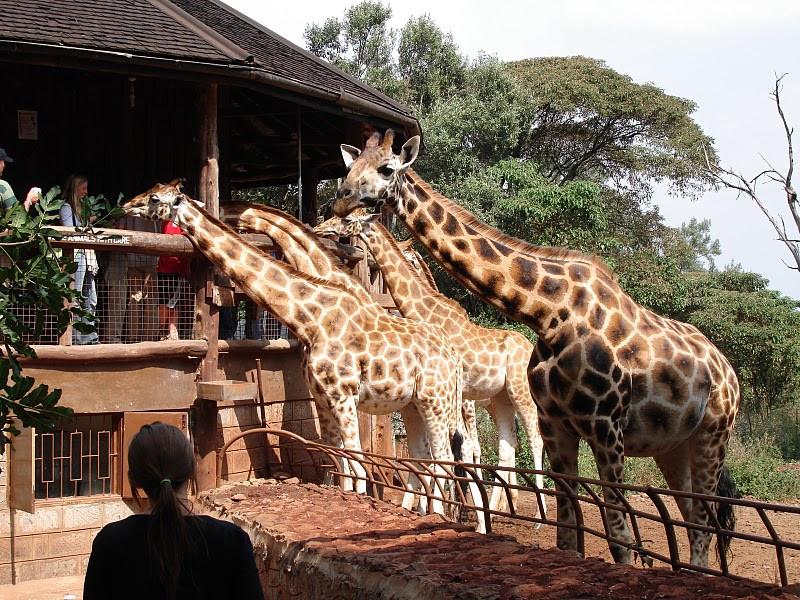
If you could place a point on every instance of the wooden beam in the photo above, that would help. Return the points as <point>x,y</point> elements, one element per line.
<point>109,353</point>
<point>122,240</point>
<point>248,346</point>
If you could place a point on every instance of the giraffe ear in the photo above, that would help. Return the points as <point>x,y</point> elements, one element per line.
<point>405,244</point>
<point>178,182</point>
<point>371,218</point>
<point>349,154</point>
<point>409,152</point>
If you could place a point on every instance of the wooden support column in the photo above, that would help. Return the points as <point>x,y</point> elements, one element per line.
<point>310,180</point>
<point>204,422</point>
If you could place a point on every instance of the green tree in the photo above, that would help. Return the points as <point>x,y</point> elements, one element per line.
<point>361,43</point>
<point>429,63</point>
<point>35,276</point>
<point>592,122</point>
<point>758,330</point>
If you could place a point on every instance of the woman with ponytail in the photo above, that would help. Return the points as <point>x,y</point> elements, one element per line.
<point>168,552</point>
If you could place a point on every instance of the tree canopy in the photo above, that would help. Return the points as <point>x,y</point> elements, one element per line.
<point>565,151</point>
<point>592,122</point>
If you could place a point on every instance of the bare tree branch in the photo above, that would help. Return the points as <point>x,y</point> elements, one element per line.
<point>749,187</point>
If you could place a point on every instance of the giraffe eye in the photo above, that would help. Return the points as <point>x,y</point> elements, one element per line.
<point>385,171</point>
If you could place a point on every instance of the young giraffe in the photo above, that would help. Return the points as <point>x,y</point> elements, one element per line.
<point>495,360</point>
<point>604,369</point>
<point>301,248</point>
<point>356,357</point>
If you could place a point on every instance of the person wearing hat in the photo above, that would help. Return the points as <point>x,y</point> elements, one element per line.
<point>7,197</point>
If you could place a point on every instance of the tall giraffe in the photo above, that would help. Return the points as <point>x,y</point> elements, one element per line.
<point>495,360</point>
<point>604,369</point>
<point>302,249</point>
<point>356,357</point>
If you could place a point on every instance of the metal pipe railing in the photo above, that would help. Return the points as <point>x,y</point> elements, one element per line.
<point>389,473</point>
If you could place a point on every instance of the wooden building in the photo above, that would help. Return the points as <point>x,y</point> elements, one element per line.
<point>130,92</point>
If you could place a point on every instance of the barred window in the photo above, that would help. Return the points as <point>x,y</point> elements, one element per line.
<point>81,458</point>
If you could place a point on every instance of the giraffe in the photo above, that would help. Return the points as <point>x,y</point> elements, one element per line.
<point>604,369</point>
<point>302,249</point>
<point>495,360</point>
<point>357,357</point>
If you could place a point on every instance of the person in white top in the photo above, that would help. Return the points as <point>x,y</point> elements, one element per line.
<point>75,190</point>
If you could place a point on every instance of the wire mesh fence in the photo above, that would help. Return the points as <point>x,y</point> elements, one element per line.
<point>658,530</point>
<point>135,303</point>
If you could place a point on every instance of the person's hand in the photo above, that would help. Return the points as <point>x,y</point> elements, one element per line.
<point>33,197</point>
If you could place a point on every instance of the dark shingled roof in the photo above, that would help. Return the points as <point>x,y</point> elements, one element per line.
<point>205,31</point>
<point>278,55</point>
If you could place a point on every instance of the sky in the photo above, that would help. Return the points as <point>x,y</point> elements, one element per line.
<point>721,54</point>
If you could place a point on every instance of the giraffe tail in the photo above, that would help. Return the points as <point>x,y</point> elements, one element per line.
<point>726,517</point>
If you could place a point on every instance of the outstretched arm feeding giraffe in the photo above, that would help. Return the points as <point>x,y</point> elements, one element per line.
<point>604,369</point>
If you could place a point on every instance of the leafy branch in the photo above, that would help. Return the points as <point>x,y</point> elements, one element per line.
<point>34,275</point>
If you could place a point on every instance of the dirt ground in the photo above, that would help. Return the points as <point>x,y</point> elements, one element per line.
<point>747,559</point>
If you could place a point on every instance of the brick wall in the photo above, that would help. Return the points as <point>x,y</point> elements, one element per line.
<point>248,457</point>
<point>56,540</point>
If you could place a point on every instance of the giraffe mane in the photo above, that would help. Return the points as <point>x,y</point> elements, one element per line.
<point>421,279</point>
<point>290,269</point>
<point>271,210</point>
<point>468,219</point>
<point>426,270</point>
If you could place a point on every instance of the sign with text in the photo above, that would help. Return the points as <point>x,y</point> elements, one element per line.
<point>28,124</point>
<point>97,238</point>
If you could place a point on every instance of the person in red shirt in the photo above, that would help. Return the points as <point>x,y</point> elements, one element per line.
<point>172,272</point>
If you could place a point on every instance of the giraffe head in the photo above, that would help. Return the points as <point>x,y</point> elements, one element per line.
<point>351,226</point>
<point>409,253</point>
<point>159,202</point>
<point>374,175</point>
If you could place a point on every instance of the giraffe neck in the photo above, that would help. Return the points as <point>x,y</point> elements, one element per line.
<point>295,299</point>
<point>529,283</point>
<point>411,292</point>
<point>300,245</point>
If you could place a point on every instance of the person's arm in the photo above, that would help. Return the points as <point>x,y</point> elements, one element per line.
<point>244,576</point>
<point>7,195</point>
<point>66,215</point>
<point>96,584</point>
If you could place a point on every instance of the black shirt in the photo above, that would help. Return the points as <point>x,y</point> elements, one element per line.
<point>218,564</point>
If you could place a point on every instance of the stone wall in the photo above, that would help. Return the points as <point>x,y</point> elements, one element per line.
<point>317,542</point>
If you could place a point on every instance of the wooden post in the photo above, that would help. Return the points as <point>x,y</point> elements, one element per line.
<point>206,313</point>
<point>65,339</point>
<point>310,180</point>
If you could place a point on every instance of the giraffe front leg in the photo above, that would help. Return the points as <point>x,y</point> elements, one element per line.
<point>329,433</point>
<point>438,435</point>
<point>610,459</point>
<point>562,448</point>
<point>417,448</point>
<point>472,454</point>
<point>519,393</point>
<point>345,414</point>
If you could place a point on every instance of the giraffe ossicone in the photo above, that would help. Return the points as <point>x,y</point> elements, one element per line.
<point>604,369</point>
